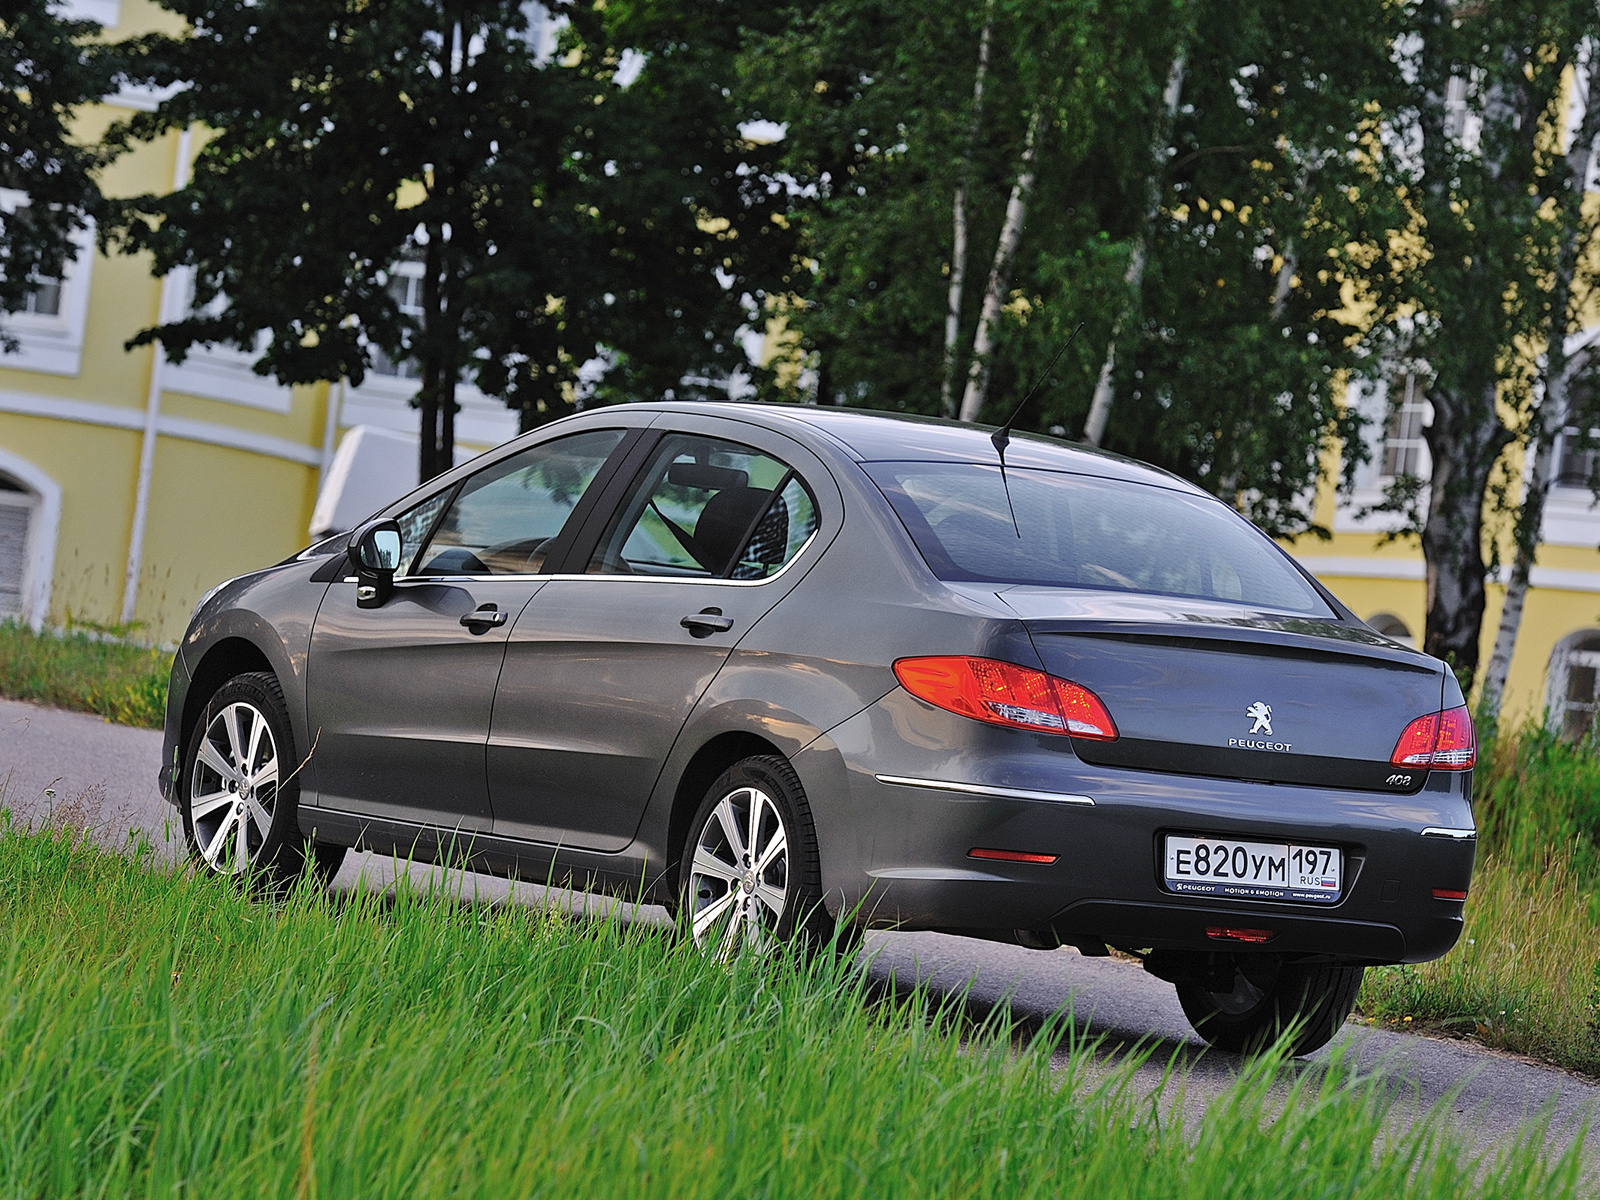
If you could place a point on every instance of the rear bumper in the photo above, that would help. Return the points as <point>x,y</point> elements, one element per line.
<point>897,852</point>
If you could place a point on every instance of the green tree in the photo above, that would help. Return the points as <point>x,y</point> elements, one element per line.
<point>551,220</point>
<point>1482,269</point>
<point>1242,335</point>
<point>1231,336</point>
<point>49,68</point>
<point>912,128</point>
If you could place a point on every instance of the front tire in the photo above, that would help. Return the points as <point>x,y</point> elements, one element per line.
<point>750,874</point>
<point>239,789</point>
<point>1270,997</point>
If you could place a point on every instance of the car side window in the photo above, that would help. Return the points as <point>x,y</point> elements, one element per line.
<point>503,519</point>
<point>705,508</point>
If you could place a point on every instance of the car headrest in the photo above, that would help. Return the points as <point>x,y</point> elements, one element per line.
<point>727,516</point>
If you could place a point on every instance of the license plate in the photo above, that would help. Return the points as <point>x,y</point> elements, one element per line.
<point>1213,866</point>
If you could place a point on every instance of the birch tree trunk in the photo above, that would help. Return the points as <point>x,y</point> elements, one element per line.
<point>958,240</point>
<point>994,295</point>
<point>1552,415</point>
<point>1133,279</point>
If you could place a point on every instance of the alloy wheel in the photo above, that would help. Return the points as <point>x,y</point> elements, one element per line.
<point>233,788</point>
<point>739,878</point>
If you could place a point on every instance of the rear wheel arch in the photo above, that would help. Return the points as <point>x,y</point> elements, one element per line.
<point>710,761</point>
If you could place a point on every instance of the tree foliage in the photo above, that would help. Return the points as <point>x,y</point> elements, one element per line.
<point>49,68</point>
<point>1477,132</point>
<point>1222,378</point>
<point>555,213</point>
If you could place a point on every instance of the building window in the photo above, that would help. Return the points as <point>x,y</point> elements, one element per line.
<point>1573,683</point>
<point>217,372</point>
<point>405,285</point>
<point>1403,443</point>
<point>45,299</point>
<point>1575,462</point>
<point>16,523</point>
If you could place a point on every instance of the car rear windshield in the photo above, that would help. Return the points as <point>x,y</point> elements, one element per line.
<point>1082,531</point>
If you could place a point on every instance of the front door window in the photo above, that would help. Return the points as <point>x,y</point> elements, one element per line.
<point>503,519</point>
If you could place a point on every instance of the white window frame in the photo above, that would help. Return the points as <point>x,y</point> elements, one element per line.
<point>52,343</point>
<point>218,372</point>
<point>1566,656</point>
<point>1571,515</point>
<point>1373,402</point>
<point>384,400</point>
<point>103,12</point>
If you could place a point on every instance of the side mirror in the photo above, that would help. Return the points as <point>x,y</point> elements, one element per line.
<point>374,551</point>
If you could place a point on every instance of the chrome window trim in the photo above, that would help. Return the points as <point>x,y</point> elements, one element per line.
<point>979,789</point>
<point>1456,835</point>
<point>773,578</point>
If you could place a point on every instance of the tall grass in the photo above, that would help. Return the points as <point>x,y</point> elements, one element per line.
<point>1526,974</point>
<point>162,1035</point>
<point>1522,977</point>
<point>87,671</point>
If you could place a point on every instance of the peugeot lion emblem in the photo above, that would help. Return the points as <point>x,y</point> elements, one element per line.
<point>1260,735</point>
<point>1262,715</point>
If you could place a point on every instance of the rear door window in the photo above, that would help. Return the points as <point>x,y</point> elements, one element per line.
<point>502,520</point>
<point>703,508</point>
<point>1087,532</point>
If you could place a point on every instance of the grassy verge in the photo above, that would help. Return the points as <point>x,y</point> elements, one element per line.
<point>80,671</point>
<point>161,1035</point>
<point>1523,976</point>
<point>1526,973</point>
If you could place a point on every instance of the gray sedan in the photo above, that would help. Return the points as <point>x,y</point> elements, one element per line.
<point>790,669</point>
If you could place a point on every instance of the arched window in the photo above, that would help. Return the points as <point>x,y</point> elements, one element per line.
<point>1393,627</point>
<point>1572,684</point>
<point>17,505</point>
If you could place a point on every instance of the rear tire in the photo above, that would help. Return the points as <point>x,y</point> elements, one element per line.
<point>239,792</point>
<point>750,875</point>
<point>1269,997</point>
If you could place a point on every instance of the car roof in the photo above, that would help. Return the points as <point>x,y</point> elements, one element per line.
<point>868,435</point>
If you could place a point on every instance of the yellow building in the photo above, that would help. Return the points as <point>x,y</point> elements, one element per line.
<point>129,485</point>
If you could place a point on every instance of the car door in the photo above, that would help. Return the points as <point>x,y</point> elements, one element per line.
<point>606,662</point>
<point>399,697</point>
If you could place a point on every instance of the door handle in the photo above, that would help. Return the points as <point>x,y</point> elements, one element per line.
<point>484,618</point>
<point>706,622</point>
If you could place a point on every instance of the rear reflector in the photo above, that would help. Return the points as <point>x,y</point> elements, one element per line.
<point>1220,933</point>
<point>1003,693</point>
<point>1012,856</point>
<point>1441,740</point>
<point>1448,894</point>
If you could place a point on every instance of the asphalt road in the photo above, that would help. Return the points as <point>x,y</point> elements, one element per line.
<point>89,771</point>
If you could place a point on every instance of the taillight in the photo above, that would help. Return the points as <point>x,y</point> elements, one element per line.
<point>1441,740</point>
<point>1003,693</point>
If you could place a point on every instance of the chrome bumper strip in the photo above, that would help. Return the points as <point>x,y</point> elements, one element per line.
<point>1458,835</point>
<point>977,789</point>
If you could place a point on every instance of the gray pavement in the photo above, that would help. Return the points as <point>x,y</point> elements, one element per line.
<point>85,770</point>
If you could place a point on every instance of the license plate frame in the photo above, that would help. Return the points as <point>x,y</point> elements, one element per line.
<point>1272,870</point>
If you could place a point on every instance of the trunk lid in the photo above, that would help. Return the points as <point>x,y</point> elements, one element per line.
<point>1202,688</point>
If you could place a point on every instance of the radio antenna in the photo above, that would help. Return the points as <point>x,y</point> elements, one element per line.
<point>1002,437</point>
